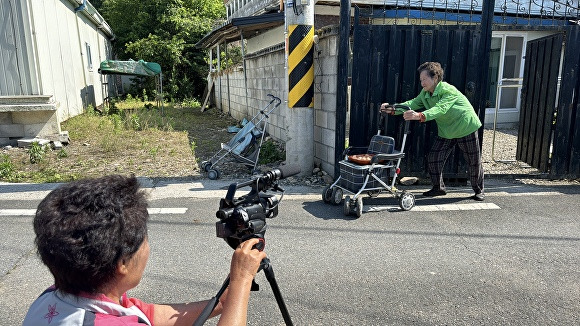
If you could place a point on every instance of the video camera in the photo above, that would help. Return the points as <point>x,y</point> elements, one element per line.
<point>245,217</point>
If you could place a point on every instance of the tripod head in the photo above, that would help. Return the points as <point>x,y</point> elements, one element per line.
<point>244,217</point>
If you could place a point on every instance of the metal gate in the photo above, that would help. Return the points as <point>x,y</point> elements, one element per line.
<point>385,61</point>
<point>549,135</point>
<point>565,160</point>
<point>385,58</point>
<point>538,103</point>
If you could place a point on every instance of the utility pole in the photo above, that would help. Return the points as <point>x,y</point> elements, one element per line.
<point>342,83</point>
<point>299,37</point>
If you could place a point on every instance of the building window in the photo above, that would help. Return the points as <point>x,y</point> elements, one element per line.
<point>89,57</point>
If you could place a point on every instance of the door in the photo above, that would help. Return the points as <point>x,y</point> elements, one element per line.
<point>538,106</point>
<point>506,69</point>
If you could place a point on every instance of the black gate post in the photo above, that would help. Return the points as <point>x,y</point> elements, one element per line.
<point>341,83</point>
<point>484,49</point>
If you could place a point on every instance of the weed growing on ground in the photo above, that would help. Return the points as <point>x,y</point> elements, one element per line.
<point>36,152</point>
<point>270,152</point>
<point>62,153</point>
<point>6,167</point>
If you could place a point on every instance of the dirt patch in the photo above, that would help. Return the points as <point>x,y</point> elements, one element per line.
<point>194,136</point>
<point>178,151</point>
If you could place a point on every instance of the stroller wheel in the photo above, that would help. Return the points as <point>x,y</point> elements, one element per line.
<point>206,166</point>
<point>203,164</point>
<point>358,206</point>
<point>346,206</point>
<point>406,200</point>
<point>213,174</point>
<point>326,194</point>
<point>336,196</point>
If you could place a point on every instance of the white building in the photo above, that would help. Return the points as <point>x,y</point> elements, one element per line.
<point>50,52</point>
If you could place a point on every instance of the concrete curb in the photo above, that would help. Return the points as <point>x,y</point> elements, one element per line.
<point>205,188</point>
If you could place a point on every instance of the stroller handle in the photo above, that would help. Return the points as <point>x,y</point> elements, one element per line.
<point>274,98</point>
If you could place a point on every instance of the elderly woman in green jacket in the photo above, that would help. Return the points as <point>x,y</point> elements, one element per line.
<point>457,124</point>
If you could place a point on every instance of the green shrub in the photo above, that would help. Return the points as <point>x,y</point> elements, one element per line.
<point>270,153</point>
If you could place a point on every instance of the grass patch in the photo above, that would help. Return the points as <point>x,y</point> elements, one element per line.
<point>131,137</point>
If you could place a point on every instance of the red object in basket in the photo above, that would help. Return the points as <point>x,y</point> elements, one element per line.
<point>362,159</point>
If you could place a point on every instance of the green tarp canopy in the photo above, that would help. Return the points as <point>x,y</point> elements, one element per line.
<point>131,67</point>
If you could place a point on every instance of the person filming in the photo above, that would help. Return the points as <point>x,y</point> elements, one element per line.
<point>92,236</point>
<point>457,124</point>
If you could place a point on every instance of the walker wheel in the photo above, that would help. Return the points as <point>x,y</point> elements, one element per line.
<point>336,195</point>
<point>346,206</point>
<point>213,174</point>
<point>358,206</point>
<point>406,200</point>
<point>327,194</point>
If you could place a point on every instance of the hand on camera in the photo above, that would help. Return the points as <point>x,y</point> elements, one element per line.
<point>387,108</point>
<point>246,260</point>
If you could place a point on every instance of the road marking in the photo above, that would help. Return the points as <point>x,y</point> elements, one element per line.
<point>436,208</point>
<point>17,212</point>
<point>151,210</point>
<point>168,210</point>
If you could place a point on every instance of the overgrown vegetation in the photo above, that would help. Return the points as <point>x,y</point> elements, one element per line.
<point>165,31</point>
<point>129,137</point>
<point>270,152</point>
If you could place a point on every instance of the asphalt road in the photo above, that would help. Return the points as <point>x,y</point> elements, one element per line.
<point>449,261</point>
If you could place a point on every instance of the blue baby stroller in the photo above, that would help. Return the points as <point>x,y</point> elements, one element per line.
<point>245,146</point>
<point>367,170</point>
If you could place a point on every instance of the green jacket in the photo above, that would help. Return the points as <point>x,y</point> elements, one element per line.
<point>451,110</point>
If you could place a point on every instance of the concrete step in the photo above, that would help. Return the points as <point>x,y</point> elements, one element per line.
<point>27,107</point>
<point>26,99</point>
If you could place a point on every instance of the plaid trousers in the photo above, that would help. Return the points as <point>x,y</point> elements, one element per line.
<point>440,151</point>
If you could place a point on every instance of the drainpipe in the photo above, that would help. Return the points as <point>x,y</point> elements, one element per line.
<point>227,72</point>
<point>86,92</point>
<point>219,74</point>
<point>245,73</point>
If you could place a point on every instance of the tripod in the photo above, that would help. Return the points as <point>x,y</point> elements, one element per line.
<point>267,268</point>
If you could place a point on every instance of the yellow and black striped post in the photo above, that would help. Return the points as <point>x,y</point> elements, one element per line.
<point>300,66</point>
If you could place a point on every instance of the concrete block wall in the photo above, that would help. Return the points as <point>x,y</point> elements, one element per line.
<point>325,79</point>
<point>265,73</point>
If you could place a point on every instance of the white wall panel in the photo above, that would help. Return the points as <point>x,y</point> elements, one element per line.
<point>16,77</point>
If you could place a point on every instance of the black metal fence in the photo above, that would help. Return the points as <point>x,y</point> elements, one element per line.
<point>391,40</point>
<point>445,12</point>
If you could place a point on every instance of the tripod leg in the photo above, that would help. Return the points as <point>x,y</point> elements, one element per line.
<point>277,294</point>
<point>202,318</point>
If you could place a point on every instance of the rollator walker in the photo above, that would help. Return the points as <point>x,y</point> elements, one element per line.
<point>369,172</point>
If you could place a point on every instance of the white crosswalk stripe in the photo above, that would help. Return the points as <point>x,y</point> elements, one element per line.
<point>152,211</point>
<point>435,208</point>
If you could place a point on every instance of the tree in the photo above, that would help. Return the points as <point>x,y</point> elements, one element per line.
<point>165,31</point>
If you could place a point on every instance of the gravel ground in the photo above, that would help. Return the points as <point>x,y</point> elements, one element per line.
<point>499,154</point>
